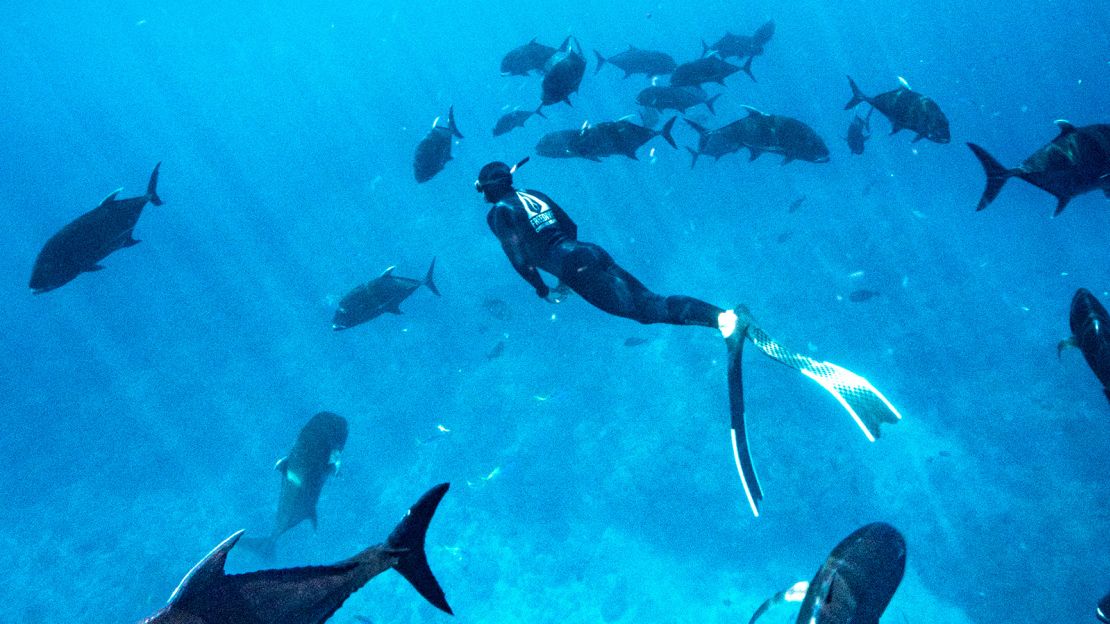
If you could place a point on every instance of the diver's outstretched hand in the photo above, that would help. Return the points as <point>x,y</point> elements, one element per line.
<point>558,294</point>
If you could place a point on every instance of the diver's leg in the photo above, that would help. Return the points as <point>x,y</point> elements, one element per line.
<point>591,272</point>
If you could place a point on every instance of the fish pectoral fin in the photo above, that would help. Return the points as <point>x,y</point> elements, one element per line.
<point>130,242</point>
<point>394,308</point>
<point>1065,344</point>
<point>293,478</point>
<point>281,464</point>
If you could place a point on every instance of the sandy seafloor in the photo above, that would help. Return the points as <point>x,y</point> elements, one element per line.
<point>144,405</point>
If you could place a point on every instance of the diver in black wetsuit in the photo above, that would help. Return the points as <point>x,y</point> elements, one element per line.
<point>536,233</point>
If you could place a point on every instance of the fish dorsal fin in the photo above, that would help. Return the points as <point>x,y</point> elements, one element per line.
<point>1065,126</point>
<point>627,117</point>
<point>435,123</point>
<point>754,112</point>
<point>585,126</point>
<point>905,83</point>
<point>387,272</point>
<point>281,465</point>
<point>631,48</point>
<point>205,572</point>
<point>111,197</point>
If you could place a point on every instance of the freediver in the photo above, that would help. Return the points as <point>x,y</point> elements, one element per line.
<point>536,233</point>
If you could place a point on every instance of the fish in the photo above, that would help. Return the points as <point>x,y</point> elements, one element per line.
<point>1103,610</point>
<point>861,295</point>
<point>378,296</point>
<point>858,579</point>
<point>633,341</point>
<point>714,143</point>
<point>623,137</point>
<point>563,73</point>
<point>314,457</point>
<point>858,133</point>
<point>663,98</point>
<point>80,246</point>
<point>1077,161</point>
<point>306,595</point>
<point>707,69</point>
<point>778,134</point>
<point>523,60</point>
<point>637,61</point>
<point>740,46</point>
<point>496,351</point>
<point>906,110</point>
<point>564,144</point>
<point>434,150</point>
<point>796,204</point>
<point>515,119</point>
<point>1090,333</point>
<point>497,308</point>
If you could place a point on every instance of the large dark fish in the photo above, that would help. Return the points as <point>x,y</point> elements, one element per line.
<point>378,296</point>
<point>1103,611</point>
<point>527,58</point>
<point>778,134</point>
<point>434,150</point>
<point>83,243</point>
<point>564,144</point>
<point>715,143</point>
<point>708,69</point>
<point>564,73</point>
<point>308,595</point>
<point>314,458</point>
<point>858,579</point>
<point>741,46</point>
<point>637,61</point>
<point>1090,332</point>
<point>907,110</point>
<point>1077,161</point>
<point>623,137</point>
<point>515,119</point>
<point>858,133</point>
<point>675,98</point>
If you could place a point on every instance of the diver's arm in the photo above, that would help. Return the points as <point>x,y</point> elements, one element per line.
<point>498,218</point>
<point>530,275</point>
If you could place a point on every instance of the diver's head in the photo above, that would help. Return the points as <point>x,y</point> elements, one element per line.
<point>495,180</point>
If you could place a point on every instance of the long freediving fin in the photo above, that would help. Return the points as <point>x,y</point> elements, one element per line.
<point>863,401</point>
<point>740,452</point>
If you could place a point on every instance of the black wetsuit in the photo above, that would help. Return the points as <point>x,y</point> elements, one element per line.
<point>536,233</point>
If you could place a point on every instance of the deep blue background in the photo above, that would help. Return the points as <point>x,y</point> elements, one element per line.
<point>144,405</point>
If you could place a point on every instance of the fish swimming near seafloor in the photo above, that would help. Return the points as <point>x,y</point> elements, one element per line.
<point>305,595</point>
<point>906,110</point>
<point>563,73</point>
<point>1090,332</point>
<point>637,61</point>
<point>313,458</point>
<point>514,119</point>
<point>378,296</point>
<point>79,246</point>
<point>856,582</point>
<point>434,150</point>
<point>523,60</point>
<point>1077,161</point>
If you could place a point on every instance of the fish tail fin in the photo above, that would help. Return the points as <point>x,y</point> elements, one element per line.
<point>747,68</point>
<point>693,156</point>
<point>666,131</point>
<point>451,122</point>
<point>264,547</point>
<point>857,95</point>
<point>704,48</point>
<point>428,281</point>
<point>600,62</point>
<point>407,539</point>
<point>709,103</point>
<point>996,175</point>
<point>700,129</point>
<point>152,186</point>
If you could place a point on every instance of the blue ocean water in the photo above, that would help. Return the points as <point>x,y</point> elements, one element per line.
<point>145,404</point>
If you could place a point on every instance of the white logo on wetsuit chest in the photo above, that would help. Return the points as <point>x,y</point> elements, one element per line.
<point>539,213</point>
